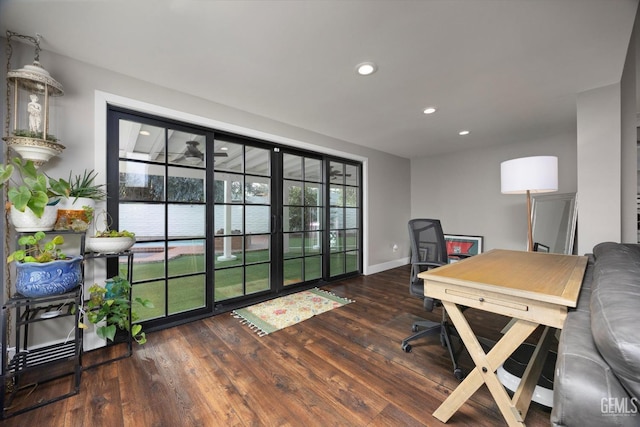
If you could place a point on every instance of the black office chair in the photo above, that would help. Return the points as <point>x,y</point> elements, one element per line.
<point>429,250</point>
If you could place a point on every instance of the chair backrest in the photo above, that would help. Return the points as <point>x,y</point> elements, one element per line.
<point>428,250</point>
<point>427,241</point>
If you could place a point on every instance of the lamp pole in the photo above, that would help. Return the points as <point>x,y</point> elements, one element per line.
<point>529,225</point>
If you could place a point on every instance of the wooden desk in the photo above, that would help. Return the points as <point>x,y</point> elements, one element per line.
<point>533,288</point>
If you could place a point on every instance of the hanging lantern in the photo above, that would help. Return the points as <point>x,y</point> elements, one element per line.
<point>29,121</point>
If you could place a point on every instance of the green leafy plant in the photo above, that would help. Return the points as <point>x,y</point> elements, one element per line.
<point>108,232</point>
<point>115,233</point>
<point>31,134</point>
<point>38,250</point>
<point>112,304</point>
<point>88,212</point>
<point>79,186</point>
<point>31,191</point>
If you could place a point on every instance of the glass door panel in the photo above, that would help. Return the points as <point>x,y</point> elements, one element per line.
<point>228,156</point>
<point>293,271</point>
<point>242,220</point>
<point>153,291</point>
<point>344,218</point>
<point>292,245</point>
<point>141,181</point>
<point>191,257</point>
<point>302,197</point>
<point>185,185</point>
<point>186,293</point>
<point>258,161</point>
<point>312,268</point>
<point>292,166</point>
<point>313,169</point>
<point>162,199</point>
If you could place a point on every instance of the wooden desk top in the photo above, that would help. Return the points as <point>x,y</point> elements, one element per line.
<point>538,276</point>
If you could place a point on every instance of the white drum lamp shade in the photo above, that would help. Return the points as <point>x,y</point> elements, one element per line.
<point>526,175</point>
<point>537,174</point>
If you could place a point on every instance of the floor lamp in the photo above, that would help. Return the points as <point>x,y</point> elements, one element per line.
<point>526,175</point>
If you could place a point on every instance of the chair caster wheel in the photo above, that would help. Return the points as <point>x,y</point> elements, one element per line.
<point>459,374</point>
<point>414,328</point>
<point>406,348</point>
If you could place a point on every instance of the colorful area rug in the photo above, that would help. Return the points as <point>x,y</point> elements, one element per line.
<point>270,316</point>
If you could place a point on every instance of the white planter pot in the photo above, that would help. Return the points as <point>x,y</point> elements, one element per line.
<point>76,204</point>
<point>108,245</point>
<point>27,221</point>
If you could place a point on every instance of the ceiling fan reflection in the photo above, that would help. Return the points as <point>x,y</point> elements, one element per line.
<point>193,155</point>
<point>335,173</point>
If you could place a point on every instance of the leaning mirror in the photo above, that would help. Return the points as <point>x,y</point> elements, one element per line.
<point>554,222</point>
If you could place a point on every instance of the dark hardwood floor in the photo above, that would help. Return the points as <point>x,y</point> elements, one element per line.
<point>341,368</point>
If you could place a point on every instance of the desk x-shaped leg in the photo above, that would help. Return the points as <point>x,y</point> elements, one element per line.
<point>514,410</point>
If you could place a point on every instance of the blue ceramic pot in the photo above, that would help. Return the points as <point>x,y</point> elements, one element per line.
<point>35,279</point>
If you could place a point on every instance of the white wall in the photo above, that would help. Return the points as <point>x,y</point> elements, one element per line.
<point>386,176</point>
<point>599,169</point>
<point>463,189</point>
<point>608,159</point>
<point>629,186</point>
<point>607,162</point>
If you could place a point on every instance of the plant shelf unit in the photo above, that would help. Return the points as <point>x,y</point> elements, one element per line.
<point>55,369</point>
<point>35,376</point>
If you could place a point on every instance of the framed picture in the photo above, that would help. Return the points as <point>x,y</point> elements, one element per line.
<point>462,245</point>
<point>539,247</point>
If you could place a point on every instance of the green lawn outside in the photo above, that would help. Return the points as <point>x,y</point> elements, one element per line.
<point>188,293</point>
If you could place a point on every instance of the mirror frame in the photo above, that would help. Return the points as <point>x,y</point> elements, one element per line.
<point>569,238</point>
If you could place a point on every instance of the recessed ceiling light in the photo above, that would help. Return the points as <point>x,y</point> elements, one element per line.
<point>366,68</point>
<point>464,132</point>
<point>429,110</point>
<point>224,148</point>
<point>145,132</point>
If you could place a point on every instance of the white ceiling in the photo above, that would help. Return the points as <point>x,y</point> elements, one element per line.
<point>507,70</point>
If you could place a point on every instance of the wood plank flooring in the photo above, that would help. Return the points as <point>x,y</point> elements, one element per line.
<point>341,368</point>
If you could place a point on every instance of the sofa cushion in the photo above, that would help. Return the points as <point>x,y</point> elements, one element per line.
<point>615,308</point>
<point>583,379</point>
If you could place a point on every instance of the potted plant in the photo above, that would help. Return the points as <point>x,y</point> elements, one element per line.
<point>42,268</point>
<point>110,241</point>
<point>31,208</point>
<point>79,195</point>
<point>24,133</point>
<point>111,305</point>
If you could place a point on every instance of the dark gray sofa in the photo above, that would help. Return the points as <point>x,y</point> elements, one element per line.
<point>597,377</point>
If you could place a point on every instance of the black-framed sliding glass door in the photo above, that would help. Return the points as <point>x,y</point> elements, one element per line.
<point>222,220</point>
<point>162,170</point>
<point>345,218</point>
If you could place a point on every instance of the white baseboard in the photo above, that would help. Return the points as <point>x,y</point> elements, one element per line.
<point>377,268</point>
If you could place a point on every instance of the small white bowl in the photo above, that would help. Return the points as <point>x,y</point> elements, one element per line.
<point>108,245</point>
